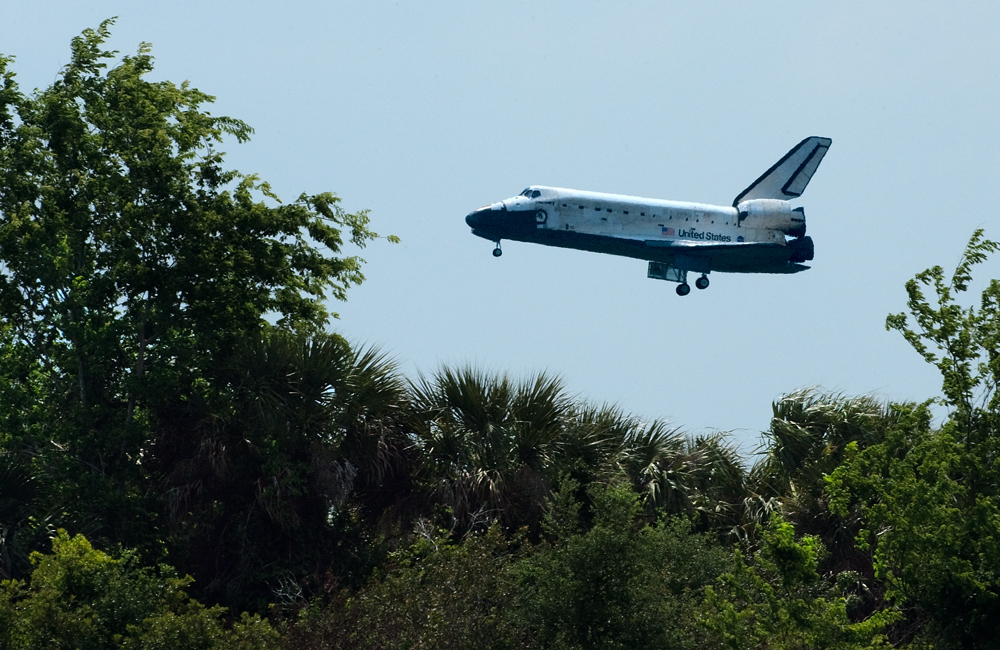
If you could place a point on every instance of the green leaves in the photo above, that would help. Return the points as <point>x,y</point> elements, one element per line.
<point>961,342</point>
<point>620,584</point>
<point>121,235</point>
<point>80,597</point>
<point>778,600</point>
<point>929,499</point>
<point>132,262</point>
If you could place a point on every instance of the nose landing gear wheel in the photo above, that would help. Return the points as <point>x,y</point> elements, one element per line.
<point>683,289</point>
<point>702,282</point>
<point>496,251</point>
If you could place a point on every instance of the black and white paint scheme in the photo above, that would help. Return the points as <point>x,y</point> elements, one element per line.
<point>760,233</point>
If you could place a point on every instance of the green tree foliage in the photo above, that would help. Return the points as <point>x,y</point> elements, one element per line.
<point>963,343</point>
<point>24,522</point>
<point>491,449</point>
<point>673,472</point>
<point>78,597</point>
<point>778,600</point>
<point>255,489</point>
<point>488,444</point>
<point>930,499</point>
<point>436,594</point>
<point>131,263</point>
<point>621,584</point>
<point>808,438</point>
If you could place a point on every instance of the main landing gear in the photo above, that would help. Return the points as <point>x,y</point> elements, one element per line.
<point>665,271</point>
<point>496,251</point>
<point>684,288</point>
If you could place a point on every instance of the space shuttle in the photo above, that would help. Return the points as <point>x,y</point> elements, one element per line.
<point>761,232</point>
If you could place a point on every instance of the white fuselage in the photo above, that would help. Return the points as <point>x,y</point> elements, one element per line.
<point>631,217</point>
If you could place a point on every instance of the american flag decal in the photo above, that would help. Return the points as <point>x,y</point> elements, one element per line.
<point>668,232</point>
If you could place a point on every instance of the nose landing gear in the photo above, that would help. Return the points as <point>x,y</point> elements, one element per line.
<point>683,289</point>
<point>496,251</point>
<point>702,282</point>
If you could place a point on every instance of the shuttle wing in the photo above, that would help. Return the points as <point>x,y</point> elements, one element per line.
<point>787,178</point>
<point>742,257</point>
<point>710,246</point>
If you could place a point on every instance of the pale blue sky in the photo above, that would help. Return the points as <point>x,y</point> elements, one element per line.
<point>423,112</point>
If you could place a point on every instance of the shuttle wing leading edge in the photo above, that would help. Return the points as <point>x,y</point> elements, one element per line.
<point>787,178</point>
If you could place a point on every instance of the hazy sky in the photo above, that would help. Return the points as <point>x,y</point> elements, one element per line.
<point>422,112</point>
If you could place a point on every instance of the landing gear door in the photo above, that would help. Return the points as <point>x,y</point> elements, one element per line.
<point>661,271</point>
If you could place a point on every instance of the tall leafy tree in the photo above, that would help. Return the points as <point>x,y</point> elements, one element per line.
<point>621,584</point>
<point>963,343</point>
<point>778,599</point>
<point>131,261</point>
<point>930,498</point>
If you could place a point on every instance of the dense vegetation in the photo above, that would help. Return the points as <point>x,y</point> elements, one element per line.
<point>189,460</point>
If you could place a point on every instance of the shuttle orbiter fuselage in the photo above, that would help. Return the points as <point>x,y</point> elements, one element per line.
<point>760,233</point>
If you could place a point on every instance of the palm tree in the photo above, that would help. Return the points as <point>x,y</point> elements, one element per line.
<point>23,521</point>
<point>259,477</point>
<point>653,455</point>
<point>595,441</point>
<point>370,416</point>
<point>806,441</point>
<point>701,476</point>
<point>808,435</point>
<point>489,446</point>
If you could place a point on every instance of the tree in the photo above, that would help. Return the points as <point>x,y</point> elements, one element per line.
<point>272,489</point>
<point>23,524</point>
<point>489,446</point>
<point>79,597</point>
<point>621,584</point>
<point>778,600</point>
<point>131,263</point>
<point>963,343</point>
<point>930,498</point>
<point>807,440</point>
<point>437,594</point>
<point>492,449</point>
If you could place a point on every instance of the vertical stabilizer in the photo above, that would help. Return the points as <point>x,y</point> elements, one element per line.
<point>787,178</point>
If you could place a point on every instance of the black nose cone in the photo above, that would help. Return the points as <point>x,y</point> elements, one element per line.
<point>479,219</point>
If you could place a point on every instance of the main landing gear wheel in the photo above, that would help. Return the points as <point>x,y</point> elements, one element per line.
<point>496,251</point>
<point>702,282</point>
<point>683,289</point>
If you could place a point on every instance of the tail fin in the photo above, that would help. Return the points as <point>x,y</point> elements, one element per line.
<point>787,178</point>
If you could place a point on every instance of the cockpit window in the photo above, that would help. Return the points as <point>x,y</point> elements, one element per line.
<point>526,192</point>
<point>535,194</point>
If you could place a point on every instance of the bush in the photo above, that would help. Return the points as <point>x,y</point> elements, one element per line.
<point>80,597</point>
<point>622,584</point>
